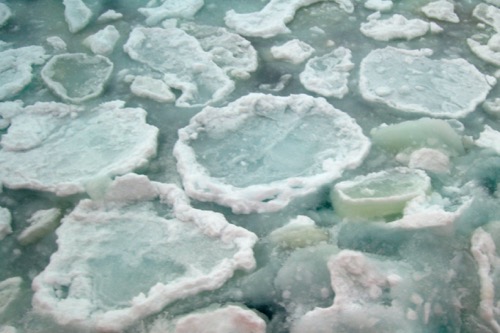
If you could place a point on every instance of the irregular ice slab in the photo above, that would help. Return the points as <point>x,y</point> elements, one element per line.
<point>489,138</point>
<point>441,10</point>
<point>170,9</point>
<point>379,5</point>
<point>409,81</point>
<point>9,292</point>
<point>77,14</point>
<point>415,134</point>
<point>395,27</point>
<point>488,14</point>
<point>5,14</point>
<point>109,15</point>
<point>233,53</point>
<point>379,193</point>
<point>7,329</point>
<point>185,65</point>
<point>15,68</point>
<point>42,222</point>
<point>156,252</point>
<point>93,73</point>
<point>489,52</point>
<point>5,220</point>
<point>157,90</point>
<point>327,75</point>
<point>272,19</point>
<point>261,151</point>
<point>103,42</point>
<point>299,232</point>
<point>294,51</point>
<point>50,147</point>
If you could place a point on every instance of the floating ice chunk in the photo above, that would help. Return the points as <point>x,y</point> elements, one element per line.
<point>441,10</point>
<point>93,73</point>
<point>233,53</point>
<point>430,160</point>
<point>156,252</point>
<point>42,222</point>
<point>171,8</point>
<point>148,87</point>
<point>492,106</point>
<point>7,329</point>
<point>421,133</point>
<point>57,43</point>
<point>380,193</point>
<point>228,319</point>
<point>103,42</point>
<point>9,292</point>
<point>261,151</point>
<point>15,68</point>
<point>409,81</point>
<point>77,14</point>
<point>109,15</point>
<point>5,14</point>
<point>279,86</point>
<point>395,27</point>
<point>379,5</point>
<point>435,28</point>
<point>489,138</point>
<point>294,51</point>
<point>489,52</point>
<point>49,147</point>
<point>488,14</point>
<point>185,65</point>
<point>299,232</point>
<point>327,75</point>
<point>5,220</point>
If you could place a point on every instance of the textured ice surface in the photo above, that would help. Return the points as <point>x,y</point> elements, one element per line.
<point>171,8</point>
<point>139,256</point>
<point>5,14</point>
<point>77,14</point>
<point>5,220</point>
<point>327,75</point>
<point>103,42</point>
<point>410,81</point>
<point>395,27</point>
<point>185,65</point>
<point>299,232</point>
<point>294,51</point>
<point>441,10</point>
<point>261,151</point>
<point>16,68</point>
<point>489,138</point>
<point>42,149</point>
<point>93,73</point>
<point>42,222</point>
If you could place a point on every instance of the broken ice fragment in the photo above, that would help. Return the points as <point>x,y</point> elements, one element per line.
<point>489,138</point>
<point>77,14</point>
<point>379,5</point>
<point>171,8</point>
<point>16,68</point>
<point>488,14</point>
<point>327,75</point>
<point>492,106</point>
<point>440,88</point>
<point>489,52</point>
<point>5,220</point>
<point>103,42</point>
<point>395,27</point>
<point>441,10</point>
<point>261,151</point>
<point>184,64</point>
<point>93,74</point>
<point>57,43</point>
<point>139,256</point>
<point>379,194</point>
<point>51,147</point>
<point>294,51</point>
<point>299,232</point>
<point>41,222</point>
<point>9,292</point>
<point>148,87</point>
<point>429,159</point>
<point>109,15</point>
<point>5,14</point>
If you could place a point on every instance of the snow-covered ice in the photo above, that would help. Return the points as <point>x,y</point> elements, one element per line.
<point>77,14</point>
<point>148,87</point>
<point>442,10</point>
<point>489,138</point>
<point>294,51</point>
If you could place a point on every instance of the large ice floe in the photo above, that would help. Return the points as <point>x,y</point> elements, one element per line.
<point>261,151</point>
<point>184,64</point>
<point>410,81</point>
<point>62,149</point>
<point>145,247</point>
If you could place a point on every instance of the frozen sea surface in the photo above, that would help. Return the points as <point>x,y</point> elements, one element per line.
<point>274,166</point>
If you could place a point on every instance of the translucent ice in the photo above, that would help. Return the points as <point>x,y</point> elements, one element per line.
<point>299,232</point>
<point>148,87</point>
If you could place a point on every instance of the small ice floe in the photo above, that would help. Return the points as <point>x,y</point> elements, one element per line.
<point>293,51</point>
<point>395,27</point>
<point>261,151</point>
<point>379,194</point>
<point>42,222</point>
<point>489,52</point>
<point>16,68</point>
<point>10,290</point>
<point>145,247</point>
<point>5,221</point>
<point>233,53</point>
<point>77,15</point>
<point>171,9</point>
<point>488,14</point>
<point>103,42</point>
<point>327,75</point>
<point>409,81</point>
<point>148,87</point>
<point>109,15</point>
<point>442,10</point>
<point>489,138</point>
<point>57,43</point>
<point>55,147</point>
<point>93,73</point>
<point>379,5</point>
<point>299,232</point>
<point>5,14</point>
<point>429,159</point>
<point>184,64</point>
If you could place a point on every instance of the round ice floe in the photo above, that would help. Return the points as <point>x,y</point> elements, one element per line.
<point>184,63</point>
<point>409,81</point>
<point>327,75</point>
<point>51,147</point>
<point>5,14</point>
<point>261,151</point>
<point>103,42</point>
<point>93,73</point>
<point>127,257</point>
<point>380,193</point>
<point>15,68</point>
<point>294,51</point>
<point>171,8</point>
<point>395,27</point>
